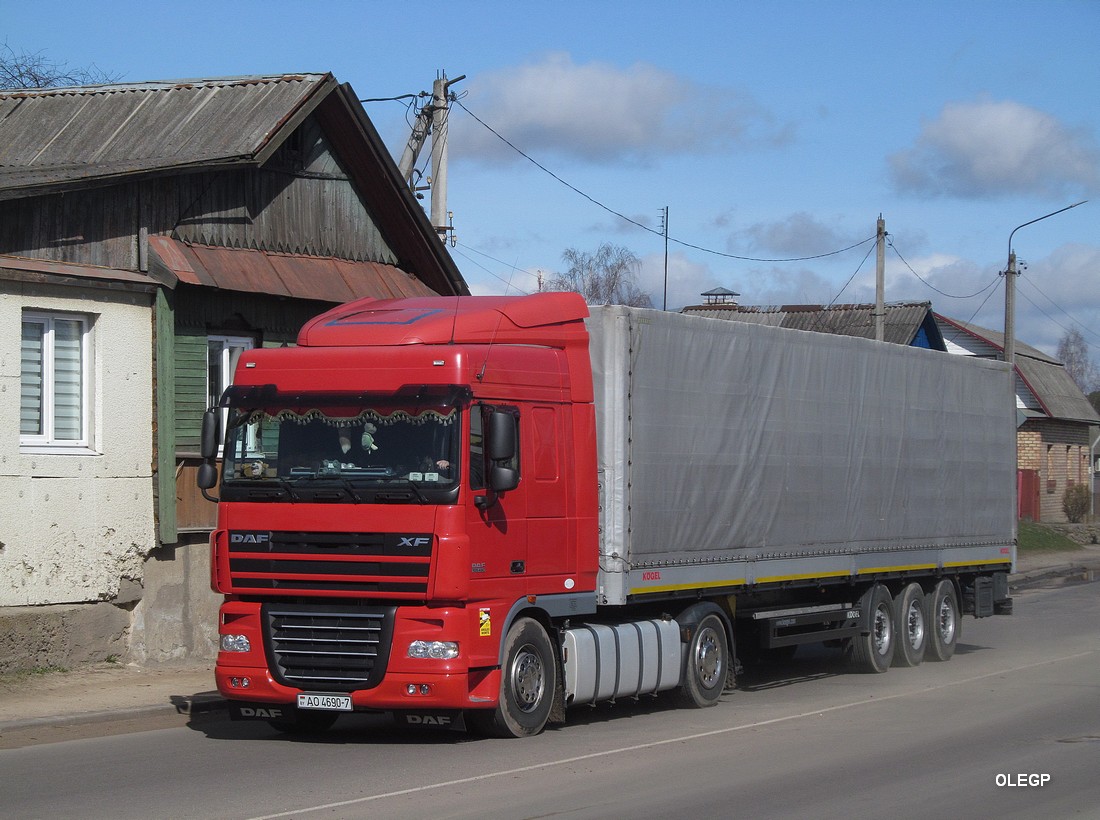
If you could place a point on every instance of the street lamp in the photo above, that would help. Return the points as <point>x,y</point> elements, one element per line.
<point>1010,286</point>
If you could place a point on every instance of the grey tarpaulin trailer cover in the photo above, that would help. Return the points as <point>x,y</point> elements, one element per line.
<point>740,456</point>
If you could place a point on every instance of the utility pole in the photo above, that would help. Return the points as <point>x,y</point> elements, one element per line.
<point>880,281</point>
<point>440,115</point>
<point>664,225</point>
<point>432,119</point>
<point>1010,305</point>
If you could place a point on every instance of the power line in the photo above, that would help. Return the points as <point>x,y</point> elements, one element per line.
<point>637,224</point>
<point>1051,318</point>
<point>506,282</point>
<point>1068,315</point>
<point>933,287</point>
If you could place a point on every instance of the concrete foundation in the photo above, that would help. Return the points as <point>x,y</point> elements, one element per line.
<point>177,616</point>
<point>172,615</point>
<point>62,636</point>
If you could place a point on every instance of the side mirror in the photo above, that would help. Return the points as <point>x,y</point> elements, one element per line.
<point>207,476</point>
<point>503,479</point>
<point>501,438</point>
<point>211,421</point>
<point>501,447</point>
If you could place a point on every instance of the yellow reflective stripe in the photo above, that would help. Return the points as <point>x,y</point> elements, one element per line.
<point>681,587</point>
<point>976,563</point>
<point>802,576</point>
<point>805,576</point>
<point>904,568</point>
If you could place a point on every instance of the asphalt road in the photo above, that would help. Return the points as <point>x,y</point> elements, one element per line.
<point>1009,728</point>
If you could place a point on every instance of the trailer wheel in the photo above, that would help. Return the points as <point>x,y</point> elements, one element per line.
<point>706,664</point>
<point>944,621</point>
<point>304,723</point>
<point>874,651</point>
<point>912,626</point>
<point>527,681</point>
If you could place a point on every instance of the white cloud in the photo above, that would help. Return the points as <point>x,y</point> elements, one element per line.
<point>600,112</point>
<point>686,280</point>
<point>1059,292</point>
<point>800,234</point>
<point>987,148</point>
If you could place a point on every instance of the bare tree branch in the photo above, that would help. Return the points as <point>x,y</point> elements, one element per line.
<point>603,278</point>
<point>1073,353</point>
<point>33,69</point>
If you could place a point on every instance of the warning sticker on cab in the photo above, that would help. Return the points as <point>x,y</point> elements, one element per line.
<point>485,623</point>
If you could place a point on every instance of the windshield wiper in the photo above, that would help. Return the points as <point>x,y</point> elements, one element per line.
<point>405,482</point>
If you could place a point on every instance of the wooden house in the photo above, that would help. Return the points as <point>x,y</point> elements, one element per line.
<point>149,232</point>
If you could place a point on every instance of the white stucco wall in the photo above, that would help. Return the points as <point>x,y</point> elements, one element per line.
<point>72,525</point>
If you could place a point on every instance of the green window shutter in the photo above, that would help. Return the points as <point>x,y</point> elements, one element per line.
<point>191,364</point>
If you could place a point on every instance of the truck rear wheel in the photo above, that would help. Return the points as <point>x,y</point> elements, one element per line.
<point>912,626</point>
<point>874,652</point>
<point>527,681</point>
<point>943,620</point>
<point>706,664</point>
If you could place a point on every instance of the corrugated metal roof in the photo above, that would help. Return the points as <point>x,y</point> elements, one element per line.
<point>1056,389</point>
<point>1043,375</point>
<point>902,322</point>
<point>303,277</point>
<point>23,269</point>
<point>995,338</point>
<point>62,135</point>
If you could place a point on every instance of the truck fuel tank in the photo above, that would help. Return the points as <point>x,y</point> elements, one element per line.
<point>624,660</point>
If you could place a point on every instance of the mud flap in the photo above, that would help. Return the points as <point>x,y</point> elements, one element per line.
<point>435,719</point>
<point>241,710</point>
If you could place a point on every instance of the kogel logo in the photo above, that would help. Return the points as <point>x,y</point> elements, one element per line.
<point>249,537</point>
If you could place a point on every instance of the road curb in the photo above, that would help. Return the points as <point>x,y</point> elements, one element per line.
<point>200,704</point>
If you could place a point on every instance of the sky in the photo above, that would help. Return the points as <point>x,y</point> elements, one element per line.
<point>775,134</point>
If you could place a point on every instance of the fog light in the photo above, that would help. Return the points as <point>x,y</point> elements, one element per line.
<point>436,650</point>
<point>240,683</point>
<point>236,643</point>
<point>425,689</point>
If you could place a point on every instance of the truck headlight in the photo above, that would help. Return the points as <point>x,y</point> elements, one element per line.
<point>236,643</point>
<point>436,650</point>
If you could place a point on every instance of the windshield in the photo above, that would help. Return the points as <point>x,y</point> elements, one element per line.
<point>353,448</point>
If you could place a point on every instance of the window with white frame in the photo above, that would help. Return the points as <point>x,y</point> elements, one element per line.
<point>55,366</point>
<point>223,353</point>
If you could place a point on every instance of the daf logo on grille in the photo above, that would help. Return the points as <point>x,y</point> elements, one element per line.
<point>249,537</point>
<point>414,541</point>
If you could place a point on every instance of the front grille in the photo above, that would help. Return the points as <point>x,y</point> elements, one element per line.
<point>328,648</point>
<point>386,565</point>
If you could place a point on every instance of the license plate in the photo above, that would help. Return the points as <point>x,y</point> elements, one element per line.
<point>327,703</point>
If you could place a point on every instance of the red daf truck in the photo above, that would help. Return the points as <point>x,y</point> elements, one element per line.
<point>481,511</point>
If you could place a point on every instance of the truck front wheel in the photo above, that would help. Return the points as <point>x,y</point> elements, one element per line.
<point>527,681</point>
<point>705,667</point>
